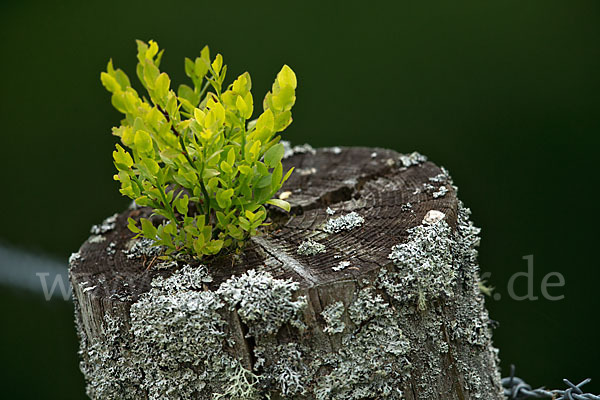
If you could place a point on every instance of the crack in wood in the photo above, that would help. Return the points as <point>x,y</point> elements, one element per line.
<point>275,251</point>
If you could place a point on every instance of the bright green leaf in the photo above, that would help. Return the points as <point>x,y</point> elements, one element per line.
<point>287,77</point>
<point>274,155</point>
<point>122,158</point>
<point>284,205</point>
<point>161,87</point>
<point>143,142</point>
<point>110,83</point>
<point>133,225</point>
<point>148,229</point>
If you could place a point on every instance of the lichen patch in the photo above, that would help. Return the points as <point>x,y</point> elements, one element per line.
<point>310,247</point>
<point>344,223</point>
<point>106,226</point>
<point>263,303</point>
<point>341,266</point>
<point>298,149</point>
<point>411,159</point>
<point>74,258</point>
<point>372,359</point>
<point>142,247</point>
<point>441,192</point>
<point>333,318</point>
<point>96,239</point>
<point>423,266</point>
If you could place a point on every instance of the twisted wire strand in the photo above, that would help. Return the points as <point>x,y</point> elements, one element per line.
<point>516,389</point>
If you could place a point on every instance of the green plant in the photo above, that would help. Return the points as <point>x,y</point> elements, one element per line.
<point>194,157</point>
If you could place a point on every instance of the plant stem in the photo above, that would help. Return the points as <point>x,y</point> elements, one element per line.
<point>203,188</point>
<point>203,90</point>
<point>190,161</point>
<point>167,205</point>
<point>243,139</point>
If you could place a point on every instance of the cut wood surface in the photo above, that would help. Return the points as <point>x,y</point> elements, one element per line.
<point>354,317</point>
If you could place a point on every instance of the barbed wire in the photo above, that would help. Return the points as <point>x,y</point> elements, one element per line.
<point>516,389</point>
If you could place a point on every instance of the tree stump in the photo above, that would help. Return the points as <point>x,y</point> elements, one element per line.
<point>368,289</point>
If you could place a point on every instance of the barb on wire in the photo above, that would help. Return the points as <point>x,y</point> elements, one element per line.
<point>516,389</point>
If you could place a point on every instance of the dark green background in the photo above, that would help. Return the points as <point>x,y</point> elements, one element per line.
<point>505,94</point>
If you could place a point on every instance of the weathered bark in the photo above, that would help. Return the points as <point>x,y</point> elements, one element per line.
<point>360,320</point>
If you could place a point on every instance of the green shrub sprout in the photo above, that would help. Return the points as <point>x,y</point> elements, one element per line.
<point>193,155</point>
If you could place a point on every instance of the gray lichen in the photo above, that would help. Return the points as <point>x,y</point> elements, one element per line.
<point>179,338</point>
<point>106,226</point>
<point>111,249</point>
<point>441,192</point>
<point>263,303</point>
<point>372,359</point>
<point>424,268</point>
<point>108,364</point>
<point>440,178</point>
<point>407,207</point>
<point>141,247</point>
<point>96,239</point>
<point>333,318</point>
<point>344,223</point>
<point>413,158</point>
<point>472,322</point>
<point>310,248</point>
<point>168,264</point>
<point>426,273</point>
<point>428,187</point>
<point>187,278</point>
<point>177,345</point>
<point>74,258</point>
<point>334,150</point>
<point>298,149</point>
<point>306,171</point>
<point>341,266</point>
<point>284,367</point>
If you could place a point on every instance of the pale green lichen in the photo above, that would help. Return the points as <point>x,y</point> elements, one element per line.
<point>263,303</point>
<point>298,149</point>
<point>142,247</point>
<point>310,247</point>
<point>411,159</point>
<point>333,318</point>
<point>176,348</point>
<point>241,385</point>
<point>106,226</point>
<point>341,266</point>
<point>441,192</point>
<point>423,266</point>
<point>372,359</point>
<point>109,365</point>
<point>344,223</point>
<point>96,239</point>
<point>187,278</point>
<point>179,328</point>
<point>284,368</point>
<point>423,284</point>
<point>179,338</point>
